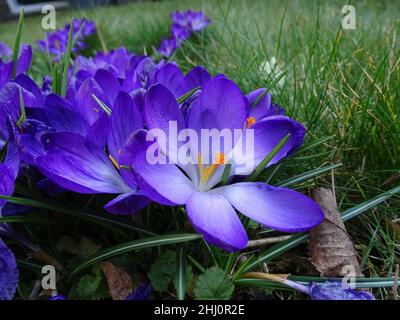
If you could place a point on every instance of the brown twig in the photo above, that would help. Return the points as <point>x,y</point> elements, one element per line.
<point>396,282</point>
<point>264,241</point>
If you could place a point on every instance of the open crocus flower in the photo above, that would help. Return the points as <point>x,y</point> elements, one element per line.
<point>220,105</point>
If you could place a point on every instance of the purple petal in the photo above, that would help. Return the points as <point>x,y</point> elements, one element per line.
<point>6,182</point>
<point>196,77</point>
<point>125,119</point>
<point>8,273</point>
<point>278,208</point>
<point>24,59</point>
<point>220,105</point>
<point>5,72</point>
<point>5,50</point>
<point>263,108</point>
<point>334,290</point>
<point>161,108</point>
<point>267,134</point>
<point>62,118</point>
<point>87,105</point>
<point>79,165</point>
<point>109,83</point>
<point>171,77</point>
<point>99,130</point>
<point>166,179</point>
<point>127,203</point>
<point>213,216</point>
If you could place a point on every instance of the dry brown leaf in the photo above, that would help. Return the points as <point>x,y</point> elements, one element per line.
<point>118,280</point>
<point>331,247</point>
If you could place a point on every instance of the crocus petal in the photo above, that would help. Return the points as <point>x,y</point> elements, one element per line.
<point>134,145</point>
<point>263,108</point>
<point>196,77</point>
<point>278,208</point>
<point>99,130</point>
<point>267,134</point>
<point>221,106</point>
<point>166,179</point>
<point>213,216</point>
<point>334,290</point>
<point>109,83</point>
<point>62,117</point>
<point>161,108</point>
<point>170,76</point>
<point>125,119</point>
<point>127,203</point>
<point>24,59</point>
<point>87,105</point>
<point>5,72</point>
<point>77,164</point>
<point>5,50</point>
<point>8,273</point>
<point>6,182</point>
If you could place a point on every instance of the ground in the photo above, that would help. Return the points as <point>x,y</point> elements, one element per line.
<point>342,84</point>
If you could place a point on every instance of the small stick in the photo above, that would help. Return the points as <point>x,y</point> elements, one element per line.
<point>396,283</point>
<point>264,241</point>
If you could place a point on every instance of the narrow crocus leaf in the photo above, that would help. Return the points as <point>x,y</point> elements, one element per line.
<point>268,158</point>
<point>132,246</point>
<point>22,106</point>
<point>67,60</point>
<point>181,273</point>
<point>185,96</point>
<point>102,105</point>
<point>307,175</point>
<point>17,42</point>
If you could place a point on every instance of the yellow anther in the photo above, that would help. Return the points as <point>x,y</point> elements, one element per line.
<point>115,163</point>
<point>207,172</point>
<point>250,121</point>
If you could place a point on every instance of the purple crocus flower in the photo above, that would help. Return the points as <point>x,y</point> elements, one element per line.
<point>168,46</point>
<point>143,292</point>
<point>220,105</point>
<point>8,273</point>
<point>56,42</point>
<point>183,25</point>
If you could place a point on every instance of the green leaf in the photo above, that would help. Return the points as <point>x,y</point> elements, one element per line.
<point>67,60</point>
<point>162,271</point>
<point>214,284</point>
<point>183,273</point>
<point>17,43</point>
<point>307,175</point>
<point>132,246</point>
<point>187,95</point>
<point>89,284</point>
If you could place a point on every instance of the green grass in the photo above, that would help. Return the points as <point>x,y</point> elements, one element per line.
<point>342,84</point>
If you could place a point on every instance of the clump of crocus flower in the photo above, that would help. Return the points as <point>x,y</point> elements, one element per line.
<point>55,42</point>
<point>184,24</point>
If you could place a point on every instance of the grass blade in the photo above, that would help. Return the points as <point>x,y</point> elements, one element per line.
<point>67,60</point>
<point>149,242</point>
<point>17,43</point>
<point>181,273</point>
<point>307,175</point>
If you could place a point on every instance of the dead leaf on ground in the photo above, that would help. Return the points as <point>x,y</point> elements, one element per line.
<point>331,247</point>
<point>118,280</point>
